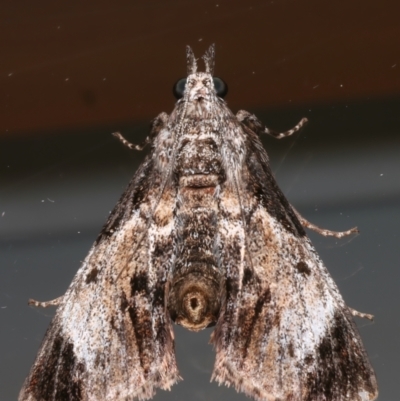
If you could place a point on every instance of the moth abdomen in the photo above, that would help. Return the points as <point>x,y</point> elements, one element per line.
<point>194,300</point>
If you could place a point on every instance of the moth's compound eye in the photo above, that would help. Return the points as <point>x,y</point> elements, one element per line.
<point>179,88</point>
<point>220,87</point>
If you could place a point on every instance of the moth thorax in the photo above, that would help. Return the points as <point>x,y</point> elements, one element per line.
<point>194,301</point>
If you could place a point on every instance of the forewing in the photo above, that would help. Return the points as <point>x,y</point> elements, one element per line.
<point>284,332</point>
<point>111,338</point>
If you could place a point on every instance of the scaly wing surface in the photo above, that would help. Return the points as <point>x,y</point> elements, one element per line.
<point>111,338</point>
<point>284,332</point>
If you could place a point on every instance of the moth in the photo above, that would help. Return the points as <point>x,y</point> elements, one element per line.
<point>202,237</point>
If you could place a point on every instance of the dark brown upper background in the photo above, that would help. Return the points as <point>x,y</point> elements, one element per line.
<point>78,64</point>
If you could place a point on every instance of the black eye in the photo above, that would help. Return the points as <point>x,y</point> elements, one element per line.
<point>220,86</point>
<point>179,88</point>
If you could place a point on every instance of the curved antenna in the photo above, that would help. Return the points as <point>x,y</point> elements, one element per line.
<point>190,61</point>
<point>209,59</point>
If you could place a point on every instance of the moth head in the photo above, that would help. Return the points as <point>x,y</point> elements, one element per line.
<point>200,85</point>
<point>194,301</point>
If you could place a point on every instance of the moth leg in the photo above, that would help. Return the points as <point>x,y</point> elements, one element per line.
<point>53,302</point>
<point>159,122</point>
<point>251,121</point>
<point>362,315</point>
<point>130,145</point>
<point>324,231</point>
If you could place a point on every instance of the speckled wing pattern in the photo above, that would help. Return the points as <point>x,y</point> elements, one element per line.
<point>203,236</point>
<point>111,338</point>
<point>284,331</point>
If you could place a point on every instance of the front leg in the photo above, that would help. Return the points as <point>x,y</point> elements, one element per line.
<point>156,125</point>
<point>46,304</point>
<point>251,121</point>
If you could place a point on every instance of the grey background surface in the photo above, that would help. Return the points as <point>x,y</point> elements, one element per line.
<point>58,182</point>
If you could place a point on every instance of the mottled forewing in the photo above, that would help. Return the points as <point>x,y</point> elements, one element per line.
<point>111,338</point>
<point>284,332</point>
